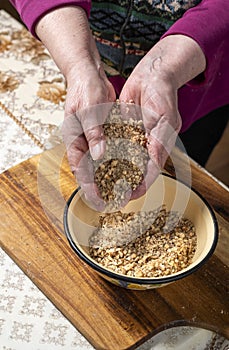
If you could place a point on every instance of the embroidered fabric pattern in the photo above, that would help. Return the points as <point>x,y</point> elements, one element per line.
<point>147,22</point>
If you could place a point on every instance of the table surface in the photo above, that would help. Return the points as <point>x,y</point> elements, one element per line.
<point>32,199</point>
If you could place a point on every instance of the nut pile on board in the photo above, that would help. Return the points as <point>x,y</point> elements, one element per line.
<point>123,165</point>
<point>144,244</point>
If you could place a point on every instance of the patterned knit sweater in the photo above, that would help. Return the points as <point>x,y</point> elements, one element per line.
<point>126,30</point>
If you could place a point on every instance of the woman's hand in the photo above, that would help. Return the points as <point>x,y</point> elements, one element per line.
<point>86,109</point>
<point>66,34</point>
<point>153,85</point>
<point>77,130</point>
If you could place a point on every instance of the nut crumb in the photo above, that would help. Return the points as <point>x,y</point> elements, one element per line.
<point>124,163</point>
<point>138,245</point>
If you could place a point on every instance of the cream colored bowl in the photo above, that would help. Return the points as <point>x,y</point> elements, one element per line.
<point>80,220</point>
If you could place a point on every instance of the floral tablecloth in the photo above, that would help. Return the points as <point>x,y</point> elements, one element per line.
<point>32,95</point>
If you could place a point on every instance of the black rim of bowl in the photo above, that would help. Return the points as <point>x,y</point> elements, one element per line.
<point>143,280</point>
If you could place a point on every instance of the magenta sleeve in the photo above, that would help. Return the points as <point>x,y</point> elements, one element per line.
<point>208,24</point>
<point>31,11</point>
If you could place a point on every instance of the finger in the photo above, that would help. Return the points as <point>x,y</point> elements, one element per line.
<point>150,119</point>
<point>161,140</point>
<point>160,143</point>
<point>84,174</point>
<point>129,111</point>
<point>92,197</point>
<point>80,160</point>
<point>74,140</point>
<point>75,152</point>
<point>92,120</point>
<point>71,129</point>
<point>81,164</point>
<point>151,174</point>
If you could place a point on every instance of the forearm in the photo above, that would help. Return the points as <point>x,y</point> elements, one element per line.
<point>31,11</point>
<point>208,25</point>
<point>176,58</point>
<point>66,34</point>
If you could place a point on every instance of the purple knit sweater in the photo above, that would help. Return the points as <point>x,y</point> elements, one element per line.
<point>207,23</point>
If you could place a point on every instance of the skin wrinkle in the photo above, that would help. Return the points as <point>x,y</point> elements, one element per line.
<point>156,63</point>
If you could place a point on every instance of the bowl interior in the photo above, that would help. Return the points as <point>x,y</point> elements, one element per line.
<point>82,219</point>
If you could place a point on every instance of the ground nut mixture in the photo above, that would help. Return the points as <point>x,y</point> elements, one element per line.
<point>144,244</point>
<point>124,163</point>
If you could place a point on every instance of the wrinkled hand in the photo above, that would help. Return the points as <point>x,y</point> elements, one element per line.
<point>83,136</point>
<point>74,51</point>
<point>87,83</point>
<point>153,84</point>
<point>157,96</point>
<point>87,88</point>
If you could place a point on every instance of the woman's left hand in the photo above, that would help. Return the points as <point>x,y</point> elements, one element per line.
<point>154,85</point>
<point>157,97</point>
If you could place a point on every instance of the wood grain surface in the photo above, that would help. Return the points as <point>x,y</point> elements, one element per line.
<point>32,199</point>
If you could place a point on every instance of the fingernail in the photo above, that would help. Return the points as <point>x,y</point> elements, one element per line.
<point>72,167</point>
<point>96,151</point>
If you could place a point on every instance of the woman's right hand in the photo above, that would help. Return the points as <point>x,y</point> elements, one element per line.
<point>66,34</point>
<point>86,109</point>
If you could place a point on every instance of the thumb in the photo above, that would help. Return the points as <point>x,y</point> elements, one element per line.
<point>92,120</point>
<point>96,142</point>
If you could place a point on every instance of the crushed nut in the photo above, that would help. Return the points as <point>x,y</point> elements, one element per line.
<point>124,163</point>
<point>144,244</point>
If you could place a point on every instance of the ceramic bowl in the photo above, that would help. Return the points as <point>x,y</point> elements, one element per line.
<point>80,220</point>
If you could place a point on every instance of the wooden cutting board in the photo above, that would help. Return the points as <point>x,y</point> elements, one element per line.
<point>32,199</point>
